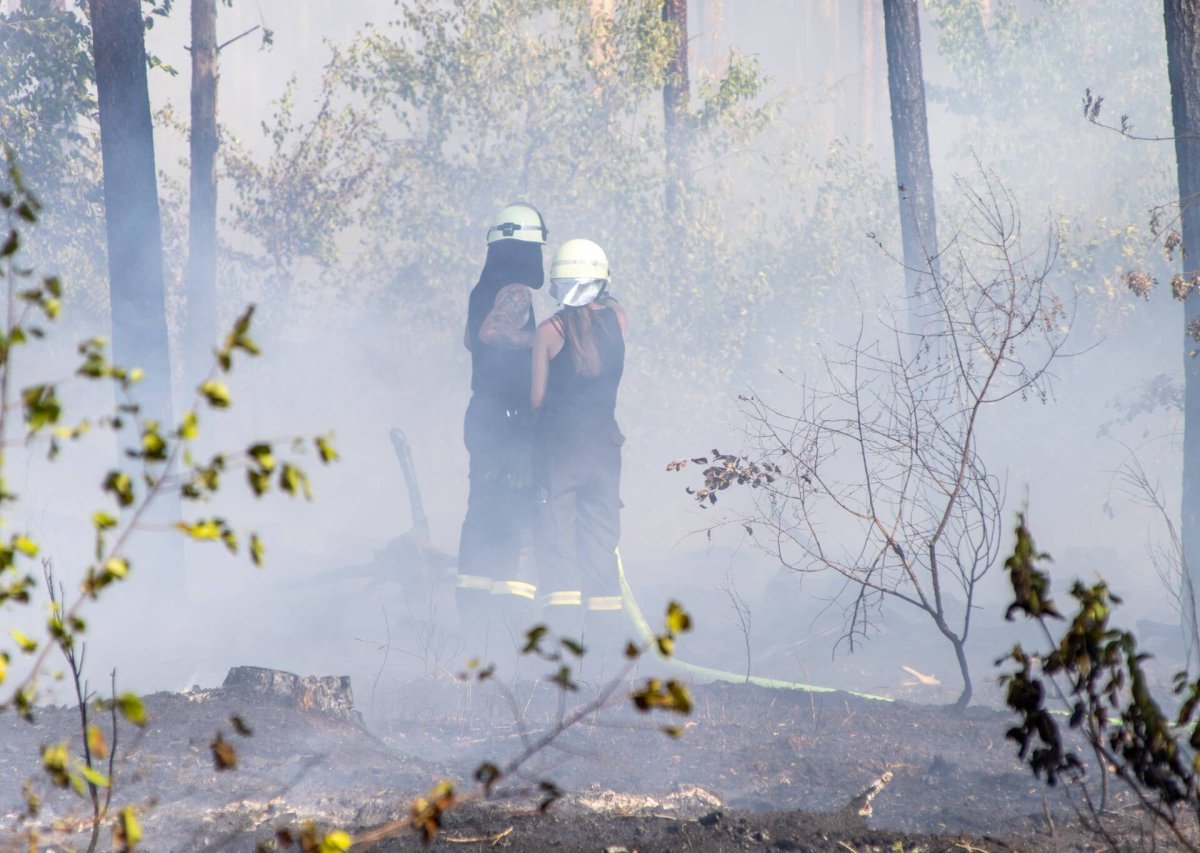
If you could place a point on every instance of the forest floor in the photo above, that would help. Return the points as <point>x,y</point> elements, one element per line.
<point>755,769</point>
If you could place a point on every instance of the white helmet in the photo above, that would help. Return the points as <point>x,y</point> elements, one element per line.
<point>578,273</point>
<point>519,221</point>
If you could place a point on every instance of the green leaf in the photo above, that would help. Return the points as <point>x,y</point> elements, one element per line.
<point>26,643</point>
<point>217,394</point>
<point>189,427</point>
<point>293,480</point>
<point>154,447</point>
<point>256,549</point>
<point>325,449</point>
<point>121,487</point>
<point>103,521</point>
<point>262,456</point>
<point>132,709</point>
<point>55,759</point>
<point>41,406</point>
<point>117,568</point>
<point>678,621</point>
<point>93,776</point>
<point>260,481</point>
<point>25,545</point>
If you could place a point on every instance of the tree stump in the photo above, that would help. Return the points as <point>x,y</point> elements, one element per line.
<point>329,696</point>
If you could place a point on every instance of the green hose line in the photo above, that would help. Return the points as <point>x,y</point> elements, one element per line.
<point>706,674</point>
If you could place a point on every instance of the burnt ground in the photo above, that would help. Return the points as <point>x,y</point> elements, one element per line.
<point>756,769</point>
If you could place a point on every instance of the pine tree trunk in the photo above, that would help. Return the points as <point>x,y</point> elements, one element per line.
<point>868,86</point>
<point>910,137</point>
<point>1182,18</point>
<point>675,106</point>
<point>200,321</point>
<point>135,260</point>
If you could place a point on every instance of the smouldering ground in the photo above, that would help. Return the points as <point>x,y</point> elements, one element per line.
<point>755,769</point>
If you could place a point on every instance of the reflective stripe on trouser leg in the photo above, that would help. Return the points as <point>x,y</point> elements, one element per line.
<point>476,582</point>
<point>520,589</point>
<point>562,598</point>
<point>603,603</point>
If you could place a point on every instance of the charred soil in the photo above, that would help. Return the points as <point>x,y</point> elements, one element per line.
<point>755,768</point>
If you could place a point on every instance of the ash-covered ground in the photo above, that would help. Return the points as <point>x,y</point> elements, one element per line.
<point>755,768</point>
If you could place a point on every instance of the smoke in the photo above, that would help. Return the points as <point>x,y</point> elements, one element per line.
<point>797,270</point>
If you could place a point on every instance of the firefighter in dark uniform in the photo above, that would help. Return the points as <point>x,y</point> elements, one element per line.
<point>578,359</point>
<point>495,589</point>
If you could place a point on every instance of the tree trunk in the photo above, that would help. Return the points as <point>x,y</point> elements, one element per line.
<point>135,265</point>
<point>200,320</point>
<point>868,82</point>
<point>1182,18</point>
<point>675,106</point>
<point>910,137</point>
<point>135,262</point>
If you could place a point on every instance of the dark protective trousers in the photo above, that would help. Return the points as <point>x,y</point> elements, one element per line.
<point>579,479</point>
<point>495,550</point>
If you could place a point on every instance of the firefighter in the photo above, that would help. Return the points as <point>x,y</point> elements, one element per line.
<point>578,359</point>
<point>495,588</point>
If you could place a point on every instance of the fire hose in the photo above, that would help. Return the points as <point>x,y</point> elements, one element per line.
<point>707,674</point>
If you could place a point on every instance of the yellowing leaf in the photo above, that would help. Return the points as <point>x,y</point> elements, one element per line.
<point>678,620</point>
<point>132,709</point>
<point>103,521</point>
<point>3,666</point>
<point>336,842</point>
<point>27,644</point>
<point>190,427</point>
<point>93,776</point>
<point>54,762</point>
<point>97,745</point>
<point>261,454</point>
<point>202,530</point>
<point>25,545</point>
<point>224,754</point>
<point>325,448</point>
<point>217,394</point>
<point>117,567</point>
<point>137,375</point>
<point>127,829</point>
